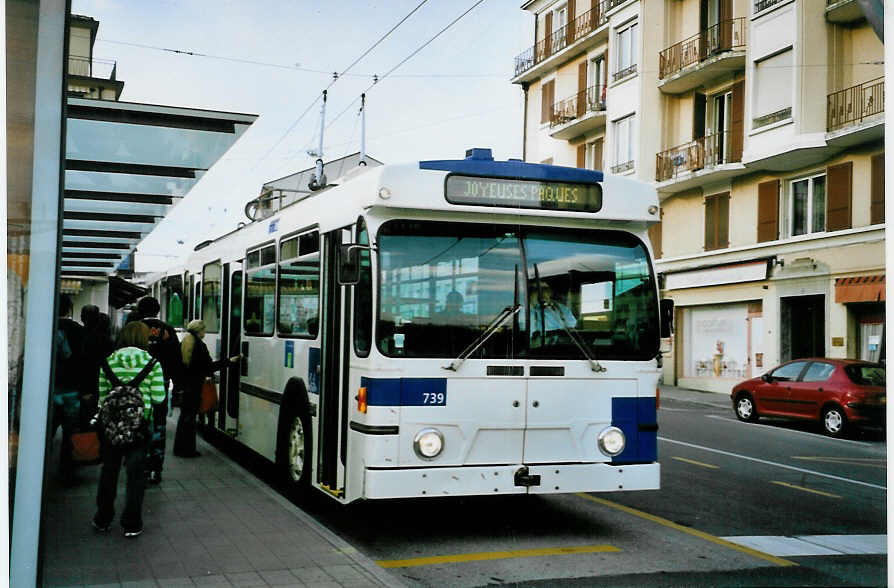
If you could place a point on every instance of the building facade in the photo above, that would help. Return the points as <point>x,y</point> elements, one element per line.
<point>765,122</point>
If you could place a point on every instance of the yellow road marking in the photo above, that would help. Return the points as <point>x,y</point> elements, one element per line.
<point>689,531</point>
<point>483,556</point>
<point>811,490</point>
<point>868,462</point>
<point>698,463</point>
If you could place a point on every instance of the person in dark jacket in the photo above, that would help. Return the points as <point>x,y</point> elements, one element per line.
<point>97,346</point>
<point>165,347</point>
<point>197,365</point>
<point>67,384</point>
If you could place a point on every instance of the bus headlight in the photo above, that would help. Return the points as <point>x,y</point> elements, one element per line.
<point>428,443</point>
<point>611,441</point>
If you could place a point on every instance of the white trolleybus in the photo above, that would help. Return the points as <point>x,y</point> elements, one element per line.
<point>441,328</point>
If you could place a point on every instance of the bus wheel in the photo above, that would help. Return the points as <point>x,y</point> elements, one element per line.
<point>296,449</point>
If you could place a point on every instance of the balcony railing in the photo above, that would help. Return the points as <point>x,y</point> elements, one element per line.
<point>851,106</point>
<point>97,68</point>
<point>623,73</point>
<point>724,36</point>
<point>565,36</point>
<point>590,100</point>
<point>622,167</point>
<point>715,149</point>
<point>765,4</point>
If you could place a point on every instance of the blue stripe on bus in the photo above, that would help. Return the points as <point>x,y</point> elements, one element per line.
<point>405,391</point>
<point>628,414</point>
<point>483,165</point>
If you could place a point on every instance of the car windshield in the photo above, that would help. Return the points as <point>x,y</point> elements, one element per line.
<point>442,283</point>
<point>866,375</point>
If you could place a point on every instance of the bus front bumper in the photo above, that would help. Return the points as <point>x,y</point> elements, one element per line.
<point>478,480</point>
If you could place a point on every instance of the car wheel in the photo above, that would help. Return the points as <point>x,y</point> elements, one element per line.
<point>295,450</point>
<point>745,409</point>
<point>834,421</point>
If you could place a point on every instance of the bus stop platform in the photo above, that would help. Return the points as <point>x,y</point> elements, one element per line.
<point>209,523</point>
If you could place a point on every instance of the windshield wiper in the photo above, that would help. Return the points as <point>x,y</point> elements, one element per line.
<point>576,339</point>
<point>490,330</point>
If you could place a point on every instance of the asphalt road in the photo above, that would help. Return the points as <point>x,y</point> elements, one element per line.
<point>768,504</point>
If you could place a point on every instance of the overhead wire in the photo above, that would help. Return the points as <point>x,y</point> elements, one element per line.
<point>336,76</point>
<point>404,60</point>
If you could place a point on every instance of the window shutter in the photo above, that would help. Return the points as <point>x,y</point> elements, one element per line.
<point>737,122</point>
<point>710,223</point>
<point>877,190</point>
<point>723,220</point>
<point>569,27</point>
<point>655,237</point>
<point>581,89</point>
<point>768,211</point>
<point>546,95</point>
<point>582,155</point>
<point>548,35</point>
<point>838,196</point>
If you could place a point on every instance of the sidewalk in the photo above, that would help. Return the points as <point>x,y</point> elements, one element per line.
<point>209,523</point>
<point>696,396</point>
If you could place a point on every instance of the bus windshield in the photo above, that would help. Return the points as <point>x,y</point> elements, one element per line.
<point>441,284</point>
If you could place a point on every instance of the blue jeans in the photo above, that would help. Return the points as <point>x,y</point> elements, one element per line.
<point>134,458</point>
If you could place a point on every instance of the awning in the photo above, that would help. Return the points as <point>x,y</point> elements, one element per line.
<point>126,165</point>
<point>860,289</point>
<point>735,273</point>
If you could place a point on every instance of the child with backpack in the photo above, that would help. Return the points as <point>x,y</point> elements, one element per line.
<point>131,382</point>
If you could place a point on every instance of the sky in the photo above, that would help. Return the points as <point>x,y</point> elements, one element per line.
<point>275,58</point>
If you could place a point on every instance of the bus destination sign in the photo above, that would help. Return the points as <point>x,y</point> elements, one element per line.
<point>510,193</point>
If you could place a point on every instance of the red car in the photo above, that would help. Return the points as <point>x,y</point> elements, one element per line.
<point>838,393</point>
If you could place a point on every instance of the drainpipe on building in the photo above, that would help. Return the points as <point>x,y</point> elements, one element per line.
<point>525,122</point>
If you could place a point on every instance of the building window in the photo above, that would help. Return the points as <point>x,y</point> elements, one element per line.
<point>593,157</point>
<point>626,44</point>
<point>624,143</point>
<point>772,89</point>
<point>560,18</point>
<point>806,206</point>
<point>723,106</point>
<point>717,221</point>
<point>596,74</point>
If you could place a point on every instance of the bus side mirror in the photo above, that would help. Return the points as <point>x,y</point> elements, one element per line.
<point>666,310</point>
<point>349,264</point>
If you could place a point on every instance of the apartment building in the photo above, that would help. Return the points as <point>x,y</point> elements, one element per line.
<point>765,122</point>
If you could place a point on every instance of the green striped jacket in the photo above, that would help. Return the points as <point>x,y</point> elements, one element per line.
<point>126,363</point>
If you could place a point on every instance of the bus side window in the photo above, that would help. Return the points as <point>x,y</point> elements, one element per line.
<point>298,287</point>
<point>363,296</point>
<point>260,291</point>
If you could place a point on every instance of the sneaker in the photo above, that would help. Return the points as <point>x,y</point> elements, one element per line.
<point>100,528</point>
<point>133,532</point>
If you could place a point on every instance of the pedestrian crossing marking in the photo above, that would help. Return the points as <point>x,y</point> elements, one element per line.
<point>810,545</point>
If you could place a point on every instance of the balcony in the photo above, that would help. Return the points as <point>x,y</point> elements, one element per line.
<point>97,68</point>
<point>713,52</point>
<point>562,38</point>
<point>714,154</point>
<point>578,114</point>
<point>856,115</point>
<point>843,11</point>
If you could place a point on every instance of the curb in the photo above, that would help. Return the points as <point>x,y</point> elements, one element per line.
<point>337,542</point>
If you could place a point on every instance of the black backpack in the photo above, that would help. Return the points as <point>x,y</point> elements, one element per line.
<point>120,416</point>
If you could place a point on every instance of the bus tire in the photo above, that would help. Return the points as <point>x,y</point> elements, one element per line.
<point>295,446</point>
